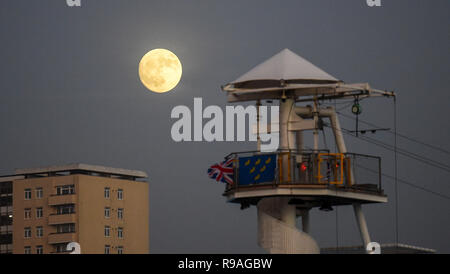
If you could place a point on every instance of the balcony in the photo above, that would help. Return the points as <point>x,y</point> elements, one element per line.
<point>58,238</point>
<point>57,219</point>
<point>311,177</point>
<point>62,199</point>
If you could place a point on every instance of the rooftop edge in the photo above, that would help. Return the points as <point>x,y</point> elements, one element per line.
<point>82,167</point>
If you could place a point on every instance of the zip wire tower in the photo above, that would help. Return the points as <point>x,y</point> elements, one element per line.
<point>286,184</point>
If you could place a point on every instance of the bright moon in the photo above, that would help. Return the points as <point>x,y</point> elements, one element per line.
<point>160,70</point>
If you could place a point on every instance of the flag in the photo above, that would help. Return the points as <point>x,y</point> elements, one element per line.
<point>222,172</point>
<point>257,169</point>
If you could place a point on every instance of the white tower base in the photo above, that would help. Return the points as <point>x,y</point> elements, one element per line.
<point>277,231</point>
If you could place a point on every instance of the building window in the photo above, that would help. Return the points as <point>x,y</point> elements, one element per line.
<point>61,248</point>
<point>119,194</point>
<point>65,228</point>
<point>65,209</point>
<point>65,190</point>
<point>107,212</point>
<point>6,208</point>
<point>39,232</point>
<point>120,233</point>
<point>28,194</point>
<point>39,249</point>
<point>27,232</point>
<point>5,249</point>
<point>120,250</point>
<point>39,193</point>
<point>27,250</point>
<point>27,213</point>
<point>107,231</point>
<point>39,213</point>
<point>120,213</point>
<point>107,192</point>
<point>107,249</point>
<point>5,229</point>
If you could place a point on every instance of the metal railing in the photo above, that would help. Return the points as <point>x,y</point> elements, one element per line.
<point>307,168</point>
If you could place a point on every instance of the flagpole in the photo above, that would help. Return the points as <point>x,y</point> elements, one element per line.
<point>258,118</point>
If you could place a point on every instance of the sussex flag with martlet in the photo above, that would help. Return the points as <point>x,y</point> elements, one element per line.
<point>257,169</point>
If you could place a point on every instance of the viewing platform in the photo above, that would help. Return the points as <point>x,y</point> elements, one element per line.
<point>312,179</point>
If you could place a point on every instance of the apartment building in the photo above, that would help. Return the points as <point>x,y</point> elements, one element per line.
<point>6,213</point>
<point>103,209</point>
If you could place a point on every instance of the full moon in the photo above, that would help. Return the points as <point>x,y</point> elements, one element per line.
<point>160,70</point>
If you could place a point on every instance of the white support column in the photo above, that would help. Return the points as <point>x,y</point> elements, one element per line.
<point>286,106</point>
<point>337,131</point>
<point>305,220</point>
<point>299,140</point>
<point>336,126</point>
<point>287,213</point>
<point>285,109</point>
<point>292,140</point>
<point>299,148</point>
<point>258,120</point>
<point>316,130</point>
<point>362,224</point>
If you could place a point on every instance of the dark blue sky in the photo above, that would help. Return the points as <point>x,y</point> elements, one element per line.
<point>70,92</point>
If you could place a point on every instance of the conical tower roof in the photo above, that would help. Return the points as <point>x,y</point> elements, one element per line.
<point>286,66</point>
<point>288,75</point>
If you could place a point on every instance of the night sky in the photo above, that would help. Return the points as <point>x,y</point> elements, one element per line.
<point>70,92</point>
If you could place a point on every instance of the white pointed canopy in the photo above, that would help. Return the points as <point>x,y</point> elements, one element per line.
<point>287,74</point>
<point>286,65</point>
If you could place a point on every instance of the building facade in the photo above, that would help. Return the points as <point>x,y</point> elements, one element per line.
<point>103,209</point>
<point>6,213</point>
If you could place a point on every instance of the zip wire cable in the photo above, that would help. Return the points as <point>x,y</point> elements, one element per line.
<point>403,152</point>
<point>395,172</point>
<point>400,135</point>
<point>403,181</point>
<point>407,183</point>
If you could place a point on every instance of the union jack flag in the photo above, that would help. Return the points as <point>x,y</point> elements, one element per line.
<point>222,172</point>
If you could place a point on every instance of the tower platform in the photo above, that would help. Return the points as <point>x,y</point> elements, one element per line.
<point>306,195</point>
<point>314,179</point>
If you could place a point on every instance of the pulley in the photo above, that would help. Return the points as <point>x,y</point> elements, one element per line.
<point>356,108</point>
